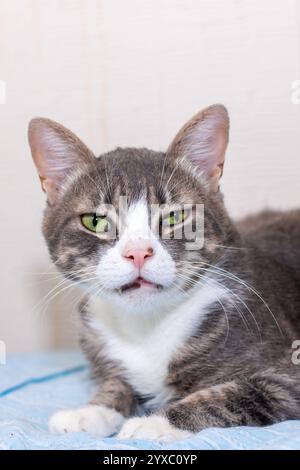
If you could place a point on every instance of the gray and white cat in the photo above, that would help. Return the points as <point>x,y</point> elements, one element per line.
<point>182,339</point>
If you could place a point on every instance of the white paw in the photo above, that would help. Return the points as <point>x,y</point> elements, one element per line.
<point>153,427</point>
<point>91,418</point>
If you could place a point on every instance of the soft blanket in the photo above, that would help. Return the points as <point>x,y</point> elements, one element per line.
<point>32,387</point>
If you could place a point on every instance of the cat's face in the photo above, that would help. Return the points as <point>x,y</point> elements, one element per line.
<point>128,225</point>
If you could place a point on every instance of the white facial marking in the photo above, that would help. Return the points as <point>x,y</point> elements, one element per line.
<point>114,270</point>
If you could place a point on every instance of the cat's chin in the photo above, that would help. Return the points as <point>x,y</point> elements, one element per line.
<point>141,297</point>
<point>146,299</point>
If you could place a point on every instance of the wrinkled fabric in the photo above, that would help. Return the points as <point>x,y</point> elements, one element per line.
<point>32,387</point>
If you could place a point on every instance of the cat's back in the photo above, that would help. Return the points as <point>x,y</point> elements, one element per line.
<point>275,234</point>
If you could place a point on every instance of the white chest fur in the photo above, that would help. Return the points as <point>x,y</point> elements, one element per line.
<point>145,345</point>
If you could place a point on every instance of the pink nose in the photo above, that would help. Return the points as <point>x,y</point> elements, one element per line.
<point>138,253</point>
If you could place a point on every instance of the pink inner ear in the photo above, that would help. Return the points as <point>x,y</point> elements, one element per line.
<point>52,153</point>
<point>56,152</point>
<point>44,147</point>
<point>203,141</point>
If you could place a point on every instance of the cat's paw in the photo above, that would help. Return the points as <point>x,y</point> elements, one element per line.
<point>96,419</point>
<point>152,427</point>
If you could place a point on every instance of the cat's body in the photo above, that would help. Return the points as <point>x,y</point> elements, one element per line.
<point>185,351</point>
<point>191,338</point>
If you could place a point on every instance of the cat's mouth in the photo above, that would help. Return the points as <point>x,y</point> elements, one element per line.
<point>137,284</point>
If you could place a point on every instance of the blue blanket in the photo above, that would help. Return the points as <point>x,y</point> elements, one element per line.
<point>32,387</point>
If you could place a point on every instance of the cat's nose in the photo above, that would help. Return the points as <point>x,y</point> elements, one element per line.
<point>138,252</point>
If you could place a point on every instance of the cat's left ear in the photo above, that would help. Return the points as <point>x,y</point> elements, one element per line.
<point>57,153</point>
<point>203,141</point>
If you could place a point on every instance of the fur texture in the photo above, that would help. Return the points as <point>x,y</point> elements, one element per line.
<point>207,340</point>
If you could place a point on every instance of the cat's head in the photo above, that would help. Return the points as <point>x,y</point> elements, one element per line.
<point>128,225</point>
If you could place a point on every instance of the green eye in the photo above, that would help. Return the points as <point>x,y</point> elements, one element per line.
<point>174,217</point>
<point>95,223</point>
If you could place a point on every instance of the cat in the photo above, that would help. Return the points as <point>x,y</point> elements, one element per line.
<point>178,339</point>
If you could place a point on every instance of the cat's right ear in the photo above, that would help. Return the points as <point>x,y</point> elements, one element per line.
<point>57,153</point>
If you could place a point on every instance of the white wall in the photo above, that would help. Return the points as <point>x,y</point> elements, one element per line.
<point>130,73</point>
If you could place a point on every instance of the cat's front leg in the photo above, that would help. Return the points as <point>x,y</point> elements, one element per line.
<point>104,415</point>
<point>263,398</point>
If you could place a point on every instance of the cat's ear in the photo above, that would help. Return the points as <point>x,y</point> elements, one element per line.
<point>56,152</point>
<point>203,141</point>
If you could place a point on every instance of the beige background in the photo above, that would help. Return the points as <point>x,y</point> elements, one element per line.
<point>130,73</point>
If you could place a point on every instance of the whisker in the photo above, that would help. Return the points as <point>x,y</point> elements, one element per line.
<point>229,247</point>
<point>229,275</point>
<point>194,282</point>
<point>232,293</point>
